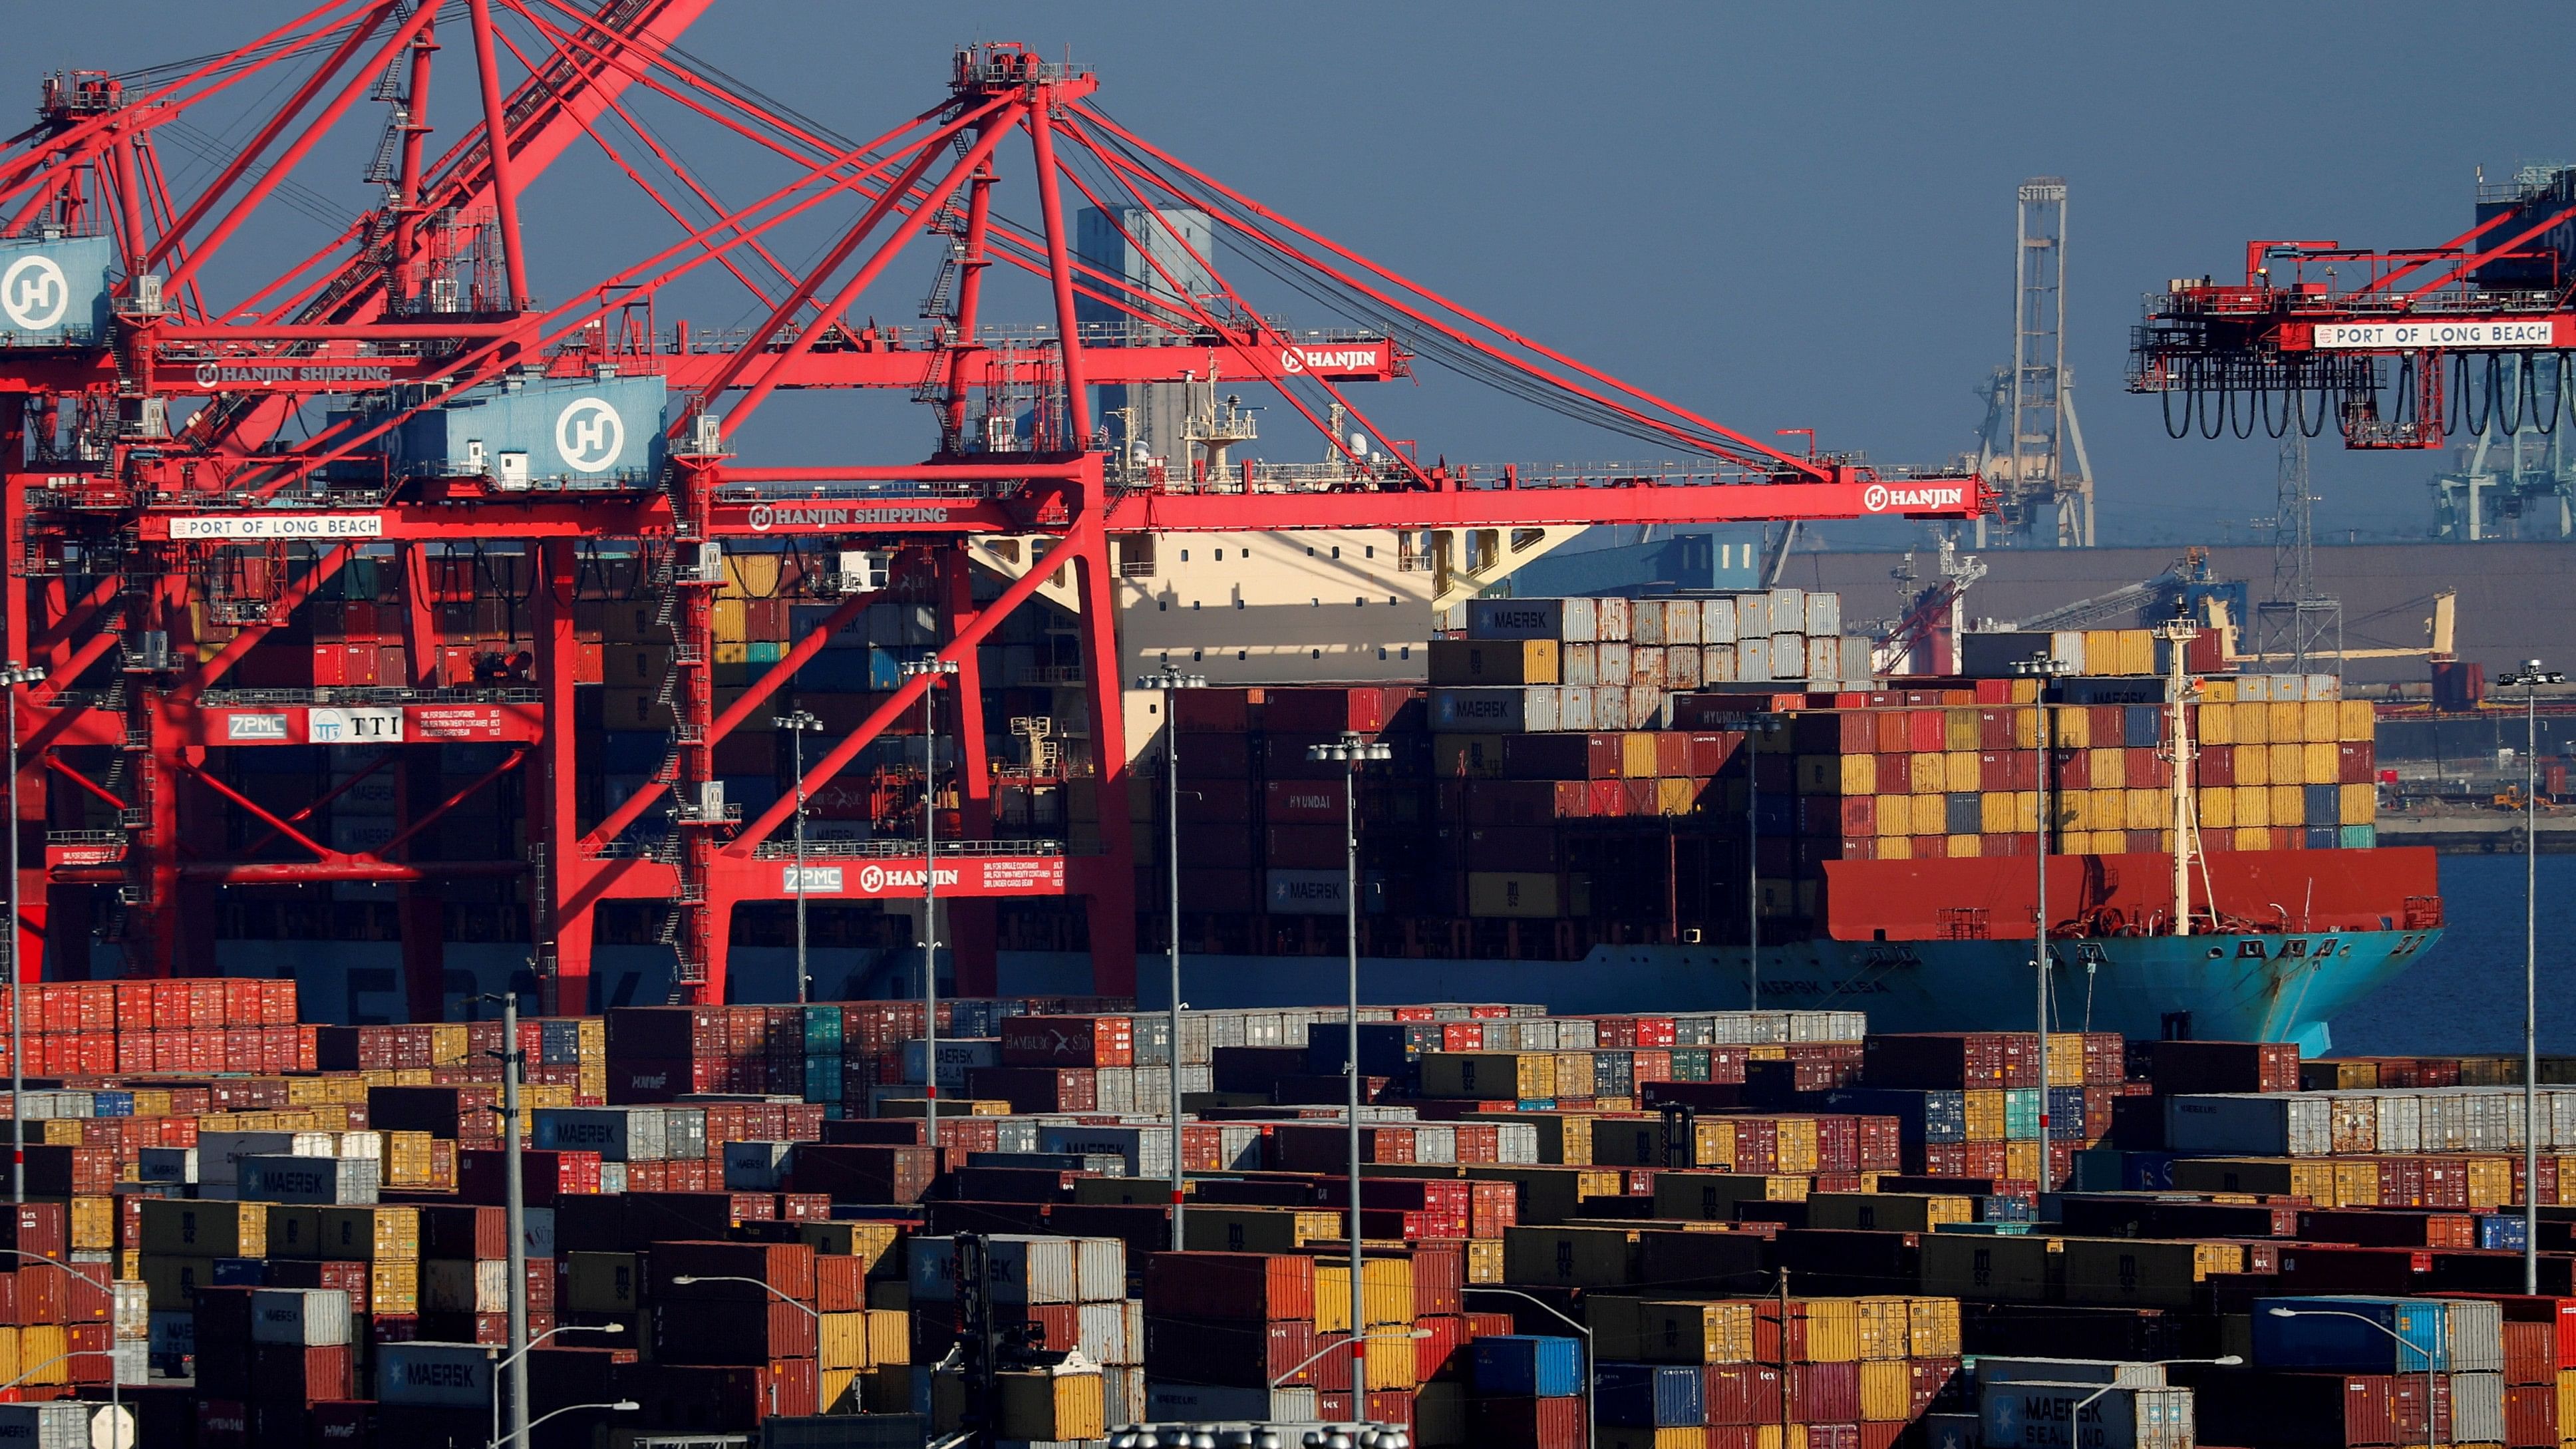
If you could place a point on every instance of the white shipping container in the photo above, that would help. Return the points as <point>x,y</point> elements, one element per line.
<point>1574,708</point>
<point>1717,664</point>
<point>1682,621</point>
<point>1100,1269</point>
<point>1646,665</point>
<point>1717,621</point>
<point>759,1166</point>
<point>1582,621</point>
<point>1788,610</point>
<point>1825,660</point>
<point>1579,664</point>
<point>2477,1408</point>
<point>2275,1124</point>
<point>435,1375</point>
<point>1824,612</point>
<point>131,1308</point>
<point>1613,617</point>
<point>1610,707</point>
<point>1646,707</point>
<point>1788,656</point>
<point>1101,1333</point>
<point>1856,661</point>
<point>59,1425</point>
<point>305,1317</point>
<point>341,1181</point>
<point>1614,664</point>
<point>1682,666</point>
<point>1753,660</point>
<point>1023,1268</point>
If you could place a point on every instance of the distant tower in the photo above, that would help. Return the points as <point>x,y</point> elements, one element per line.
<point>2297,628</point>
<point>2033,449</point>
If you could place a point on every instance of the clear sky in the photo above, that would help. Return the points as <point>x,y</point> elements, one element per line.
<point>1785,216</point>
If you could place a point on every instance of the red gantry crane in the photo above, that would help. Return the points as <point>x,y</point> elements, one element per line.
<point>175,511</point>
<point>2399,349</point>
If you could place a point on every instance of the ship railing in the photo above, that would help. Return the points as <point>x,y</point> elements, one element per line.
<point>366,694</point>
<point>899,848</point>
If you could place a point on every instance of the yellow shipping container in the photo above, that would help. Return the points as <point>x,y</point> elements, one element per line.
<point>1678,1437</point>
<point>1637,756</point>
<point>2253,808</point>
<point>1995,812</point>
<point>1798,1145</point>
<point>1959,772</point>
<point>1931,814</point>
<point>2025,726</point>
<point>1489,1076</point>
<point>731,619</point>
<point>837,1391</point>
<point>2102,651</point>
<point>1887,1388</point>
<point>1517,894</point>
<point>1960,729</point>
<point>1892,820</point>
<point>1857,774</point>
<point>2251,722</point>
<point>2025,691</point>
<point>1833,1328</point>
<point>1963,847</point>
<point>370,1234</point>
<point>1779,1436</point>
<point>1696,1332</point>
<point>1042,1405</point>
<point>1926,773</point>
<point>2320,761</point>
<point>2145,810</point>
<point>1983,1113</point>
<point>393,1289</point>
<point>2287,720</point>
<point>1484,1260</point>
<point>2356,1184</point>
<point>1574,1074</point>
<point>2490,1182</point>
<point>889,1336</point>
<point>2320,719</point>
<point>1894,847</point>
<point>2215,724</point>
<point>2255,838</point>
<point>2355,805</point>
<point>2217,806</point>
<point>93,1223</point>
<point>842,1340</point>
<point>1886,1327</point>
<point>1386,1293</point>
<point>2109,768</point>
<point>2289,805</point>
<point>1936,1327</point>
<point>2021,1161</point>
<point>2285,764</point>
<point>1676,798</point>
<point>2070,728</point>
<point>2137,651</point>
<point>9,1361</point>
<point>2355,720</point>
<point>43,1351</point>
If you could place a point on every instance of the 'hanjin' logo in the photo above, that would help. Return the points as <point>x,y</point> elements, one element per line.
<point>762,516</point>
<point>872,879</point>
<point>34,293</point>
<point>589,435</point>
<point>1874,498</point>
<point>1289,360</point>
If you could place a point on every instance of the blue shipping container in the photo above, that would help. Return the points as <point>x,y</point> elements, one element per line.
<point>2324,806</point>
<point>836,671</point>
<point>2498,1231</point>
<point>2344,1334</point>
<point>822,1079</point>
<point>2142,727</point>
<point>1528,1365</point>
<point>2324,837</point>
<point>823,1030</point>
<point>1648,1395</point>
<point>2359,837</point>
<point>2065,1111</point>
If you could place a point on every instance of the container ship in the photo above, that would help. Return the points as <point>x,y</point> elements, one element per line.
<point>1581,798</point>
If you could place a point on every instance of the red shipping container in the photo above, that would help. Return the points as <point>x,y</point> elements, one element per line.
<point>1741,1393</point>
<point>1605,799</point>
<point>1320,802</point>
<point>793,1388</point>
<point>1895,774</point>
<point>2530,1416</point>
<point>1821,1393</point>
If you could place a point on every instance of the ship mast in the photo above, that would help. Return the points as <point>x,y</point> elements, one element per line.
<point>2177,634</point>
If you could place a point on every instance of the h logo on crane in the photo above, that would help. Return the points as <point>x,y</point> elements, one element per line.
<point>589,435</point>
<point>35,293</point>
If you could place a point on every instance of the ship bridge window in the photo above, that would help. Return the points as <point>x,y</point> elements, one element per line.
<point>1310,550</point>
<point>1220,555</point>
<point>1195,655</point>
<point>1369,552</point>
<point>1405,653</point>
<point>1185,555</point>
<point>1390,601</point>
<point>1238,601</point>
<point>1239,656</point>
<point>1337,550</point>
<point>1359,603</point>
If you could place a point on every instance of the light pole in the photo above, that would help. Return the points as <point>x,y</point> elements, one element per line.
<point>621,1406</point>
<point>2531,677</point>
<point>115,1386</point>
<point>1755,728</point>
<point>929,671</point>
<point>2402,1342</point>
<point>514,1201</point>
<point>797,724</point>
<point>2043,667</point>
<point>1351,751</point>
<point>1591,1431</point>
<point>13,675</point>
<point>532,1343</point>
<point>1171,682</point>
